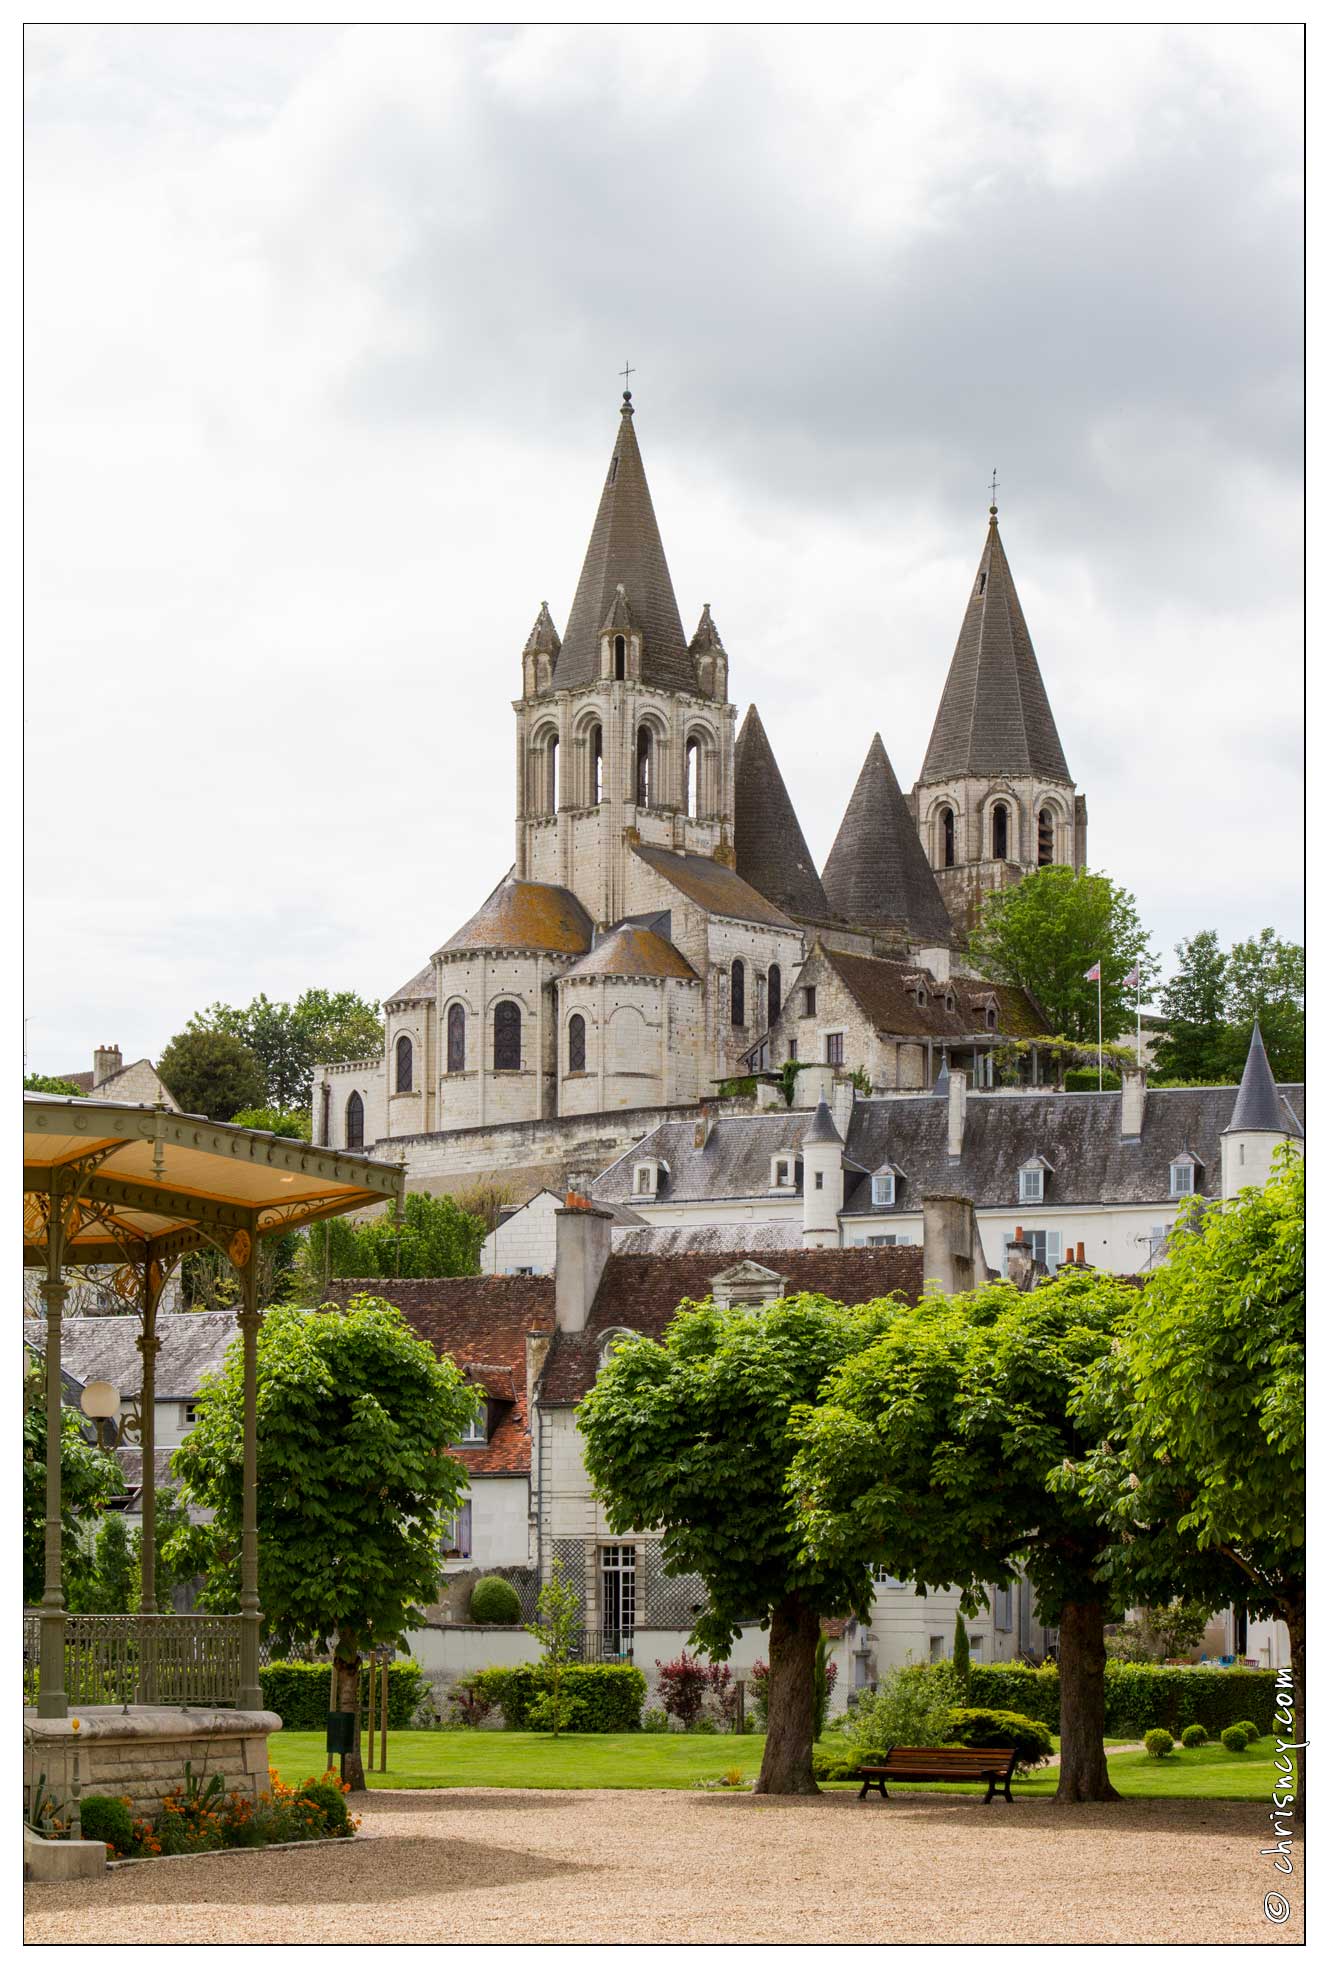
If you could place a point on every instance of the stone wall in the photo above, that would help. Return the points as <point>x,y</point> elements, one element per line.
<point>140,1753</point>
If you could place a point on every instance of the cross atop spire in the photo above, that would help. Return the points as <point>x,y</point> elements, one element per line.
<point>626,371</point>
<point>993,507</point>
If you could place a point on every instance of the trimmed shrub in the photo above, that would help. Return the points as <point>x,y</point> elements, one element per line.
<point>328,1795</point>
<point>1253,1730</point>
<point>1194,1736</point>
<point>912,1706</point>
<point>109,1819</point>
<point>1084,1080</point>
<point>1138,1696</point>
<point>494,1602</point>
<point>1234,1737</point>
<point>829,1765</point>
<point>299,1691</point>
<point>598,1696</point>
<point>681,1686</point>
<point>1158,1743</point>
<point>1002,1729</point>
<point>654,1721</point>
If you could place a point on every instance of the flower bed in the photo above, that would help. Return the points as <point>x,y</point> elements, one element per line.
<point>203,1817</point>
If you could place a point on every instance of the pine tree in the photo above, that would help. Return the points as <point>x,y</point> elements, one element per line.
<point>960,1655</point>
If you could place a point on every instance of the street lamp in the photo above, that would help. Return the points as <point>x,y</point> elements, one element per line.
<point>100,1402</point>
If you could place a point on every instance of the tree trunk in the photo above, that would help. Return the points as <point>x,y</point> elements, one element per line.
<point>1081,1660</point>
<point>786,1764</point>
<point>346,1695</point>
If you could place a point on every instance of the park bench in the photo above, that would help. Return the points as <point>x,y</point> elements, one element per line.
<point>945,1764</point>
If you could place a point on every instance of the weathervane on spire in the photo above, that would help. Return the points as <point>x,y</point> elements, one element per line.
<point>993,507</point>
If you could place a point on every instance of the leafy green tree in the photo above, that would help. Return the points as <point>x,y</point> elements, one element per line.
<point>1195,1425</point>
<point>1193,1004</point>
<point>290,1040</point>
<point>931,1452</point>
<point>1050,929</point>
<point>1266,981</point>
<point>211,1073</point>
<point>88,1477</point>
<point>110,1584</point>
<point>49,1083</point>
<point>290,1123</point>
<point>691,1434</point>
<point>353,1487</point>
<point>558,1616</point>
<point>432,1238</point>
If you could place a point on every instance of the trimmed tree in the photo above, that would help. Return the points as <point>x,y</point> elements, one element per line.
<point>960,1654</point>
<point>932,1453</point>
<point>691,1435</point>
<point>355,1413</point>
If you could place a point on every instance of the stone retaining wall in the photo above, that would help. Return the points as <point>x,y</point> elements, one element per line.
<point>141,1753</point>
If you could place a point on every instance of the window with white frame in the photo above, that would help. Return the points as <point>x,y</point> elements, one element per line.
<point>618,1594</point>
<point>936,1647</point>
<point>887,1237</point>
<point>457,1533</point>
<point>1031,1183</point>
<point>191,1414</point>
<point>885,1577</point>
<point>883,1188</point>
<point>1181,1177</point>
<point>1158,1237</point>
<point>1003,1608</point>
<point>474,1431</point>
<point>782,1172</point>
<point>1045,1247</point>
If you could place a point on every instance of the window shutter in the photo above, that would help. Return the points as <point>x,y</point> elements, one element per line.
<point>1054,1250</point>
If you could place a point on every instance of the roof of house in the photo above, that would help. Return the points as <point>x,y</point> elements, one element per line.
<point>886,990</point>
<point>482,1324</point>
<point>105,1348</point>
<point>526,916</point>
<point>104,1090</point>
<point>713,886</point>
<point>643,1294</point>
<point>877,873</point>
<point>421,986</point>
<point>822,1128</point>
<point>1257,1109</point>
<point>667,1240</point>
<point>770,851</point>
<point>994,715</point>
<point>632,951</point>
<point>625,549</point>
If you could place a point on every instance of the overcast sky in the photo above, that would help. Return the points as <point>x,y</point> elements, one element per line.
<point>323,331</point>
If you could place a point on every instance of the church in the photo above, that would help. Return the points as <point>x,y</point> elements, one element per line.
<point>662,928</point>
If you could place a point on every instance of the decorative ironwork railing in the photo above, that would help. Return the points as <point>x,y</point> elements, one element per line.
<point>603,1644</point>
<point>167,1658</point>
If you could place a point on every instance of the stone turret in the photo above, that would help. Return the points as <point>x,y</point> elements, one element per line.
<point>823,1180</point>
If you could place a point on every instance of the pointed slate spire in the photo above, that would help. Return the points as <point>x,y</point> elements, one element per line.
<point>877,872</point>
<point>707,636</point>
<point>994,715</point>
<point>620,614</point>
<point>943,1082</point>
<point>543,639</point>
<point>822,1128</point>
<point>1257,1109</point>
<point>626,547</point>
<point>771,854</point>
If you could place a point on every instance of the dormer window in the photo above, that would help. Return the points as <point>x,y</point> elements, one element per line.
<point>949,1001</point>
<point>921,997</point>
<point>650,1177</point>
<point>1181,1176</point>
<point>474,1432</point>
<point>883,1189</point>
<point>991,1017</point>
<point>1031,1180</point>
<point>784,1172</point>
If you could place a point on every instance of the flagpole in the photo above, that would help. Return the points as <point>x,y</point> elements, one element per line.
<point>1139,1048</point>
<point>1100,1024</point>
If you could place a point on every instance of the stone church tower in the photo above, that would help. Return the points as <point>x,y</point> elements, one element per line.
<point>995,798</point>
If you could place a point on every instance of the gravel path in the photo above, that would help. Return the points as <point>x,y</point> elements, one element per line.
<point>649,1866</point>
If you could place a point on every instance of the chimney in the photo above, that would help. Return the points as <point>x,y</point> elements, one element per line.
<point>842,1105</point>
<point>106,1060</point>
<point>582,1242</point>
<point>1020,1260</point>
<point>1132,1103</point>
<point>952,1250</point>
<point>959,1087</point>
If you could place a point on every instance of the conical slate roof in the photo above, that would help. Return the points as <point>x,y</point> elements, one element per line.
<point>994,715</point>
<point>877,872</point>
<point>769,848</point>
<point>543,637</point>
<point>822,1128</point>
<point>626,547</point>
<point>706,636</point>
<point>1257,1110</point>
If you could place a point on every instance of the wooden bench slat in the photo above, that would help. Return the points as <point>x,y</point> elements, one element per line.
<point>933,1764</point>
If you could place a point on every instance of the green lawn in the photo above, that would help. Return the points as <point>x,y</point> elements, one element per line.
<point>641,1761</point>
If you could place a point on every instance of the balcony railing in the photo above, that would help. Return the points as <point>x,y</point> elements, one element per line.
<point>142,1658</point>
<point>605,1644</point>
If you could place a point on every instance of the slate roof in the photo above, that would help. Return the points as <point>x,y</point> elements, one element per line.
<point>526,916</point>
<point>884,988</point>
<point>1257,1110</point>
<point>105,1348</point>
<point>543,638</point>
<point>666,1240</point>
<point>625,547</point>
<point>632,951</point>
<point>643,1294</point>
<point>822,1128</point>
<point>770,851</point>
<point>877,872</point>
<point>712,886</point>
<point>482,1323</point>
<point>421,986</point>
<point>994,715</point>
<point>1079,1134</point>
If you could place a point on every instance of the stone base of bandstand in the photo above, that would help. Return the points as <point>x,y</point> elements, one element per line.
<point>139,1751</point>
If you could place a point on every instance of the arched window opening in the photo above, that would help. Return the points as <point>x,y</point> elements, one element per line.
<point>597,765</point>
<point>1000,831</point>
<point>644,767</point>
<point>773,997</point>
<point>947,837</point>
<point>693,788</point>
<point>456,1039</point>
<point>1046,837</point>
<point>507,1037</point>
<point>737,994</point>
<point>620,657</point>
<point>551,777</point>
<point>576,1044</point>
<point>405,1065</point>
<point>355,1123</point>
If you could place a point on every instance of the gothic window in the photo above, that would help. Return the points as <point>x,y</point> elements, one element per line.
<point>645,774</point>
<point>507,1037</point>
<point>551,777</point>
<point>1000,831</point>
<point>947,837</point>
<point>456,1039</point>
<point>355,1123</point>
<point>693,778</point>
<point>620,657</point>
<point>405,1064</point>
<point>773,994</point>
<point>597,765</point>
<point>738,1012</point>
<point>1046,837</point>
<point>576,1044</point>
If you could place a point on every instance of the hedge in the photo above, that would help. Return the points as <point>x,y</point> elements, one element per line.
<point>1140,1696</point>
<point>602,1696</point>
<point>299,1692</point>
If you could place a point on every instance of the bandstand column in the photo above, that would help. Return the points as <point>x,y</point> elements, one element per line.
<point>249,1695</point>
<point>51,1700</point>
